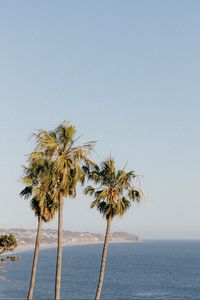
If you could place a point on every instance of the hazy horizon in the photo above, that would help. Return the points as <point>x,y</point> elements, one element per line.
<point>126,74</point>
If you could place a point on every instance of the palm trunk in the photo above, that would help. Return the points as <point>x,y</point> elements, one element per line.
<point>103,260</point>
<point>35,259</point>
<point>59,251</point>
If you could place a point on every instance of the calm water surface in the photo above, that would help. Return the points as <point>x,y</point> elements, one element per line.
<point>153,270</point>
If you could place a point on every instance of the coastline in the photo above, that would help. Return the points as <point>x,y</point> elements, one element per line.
<point>24,248</point>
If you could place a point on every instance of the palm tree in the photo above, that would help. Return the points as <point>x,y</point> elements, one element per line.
<point>113,194</point>
<point>38,181</point>
<point>67,159</point>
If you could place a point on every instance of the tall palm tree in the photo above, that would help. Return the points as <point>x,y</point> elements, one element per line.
<point>113,192</point>
<point>38,186</point>
<point>67,159</point>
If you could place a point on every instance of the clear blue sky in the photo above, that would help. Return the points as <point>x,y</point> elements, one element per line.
<point>127,74</point>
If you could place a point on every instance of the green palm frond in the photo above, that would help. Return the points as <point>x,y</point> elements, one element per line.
<point>86,170</point>
<point>122,206</point>
<point>67,158</point>
<point>46,140</point>
<point>27,180</point>
<point>135,194</point>
<point>55,167</point>
<point>102,194</point>
<point>102,207</point>
<point>95,177</point>
<point>89,190</point>
<point>36,157</point>
<point>26,192</point>
<point>40,185</point>
<point>95,203</point>
<point>113,190</point>
<point>65,133</point>
<point>79,175</point>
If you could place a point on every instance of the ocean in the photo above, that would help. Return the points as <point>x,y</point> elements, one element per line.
<point>151,270</point>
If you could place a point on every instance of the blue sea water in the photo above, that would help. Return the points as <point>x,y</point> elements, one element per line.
<point>152,270</point>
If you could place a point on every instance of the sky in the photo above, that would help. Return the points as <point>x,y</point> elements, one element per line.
<point>126,74</point>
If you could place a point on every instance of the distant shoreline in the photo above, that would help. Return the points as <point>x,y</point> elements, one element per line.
<point>24,248</point>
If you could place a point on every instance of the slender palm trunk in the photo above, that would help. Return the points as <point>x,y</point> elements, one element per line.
<point>59,251</point>
<point>35,259</point>
<point>103,259</point>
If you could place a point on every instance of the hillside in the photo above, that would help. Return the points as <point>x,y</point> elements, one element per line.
<point>26,237</point>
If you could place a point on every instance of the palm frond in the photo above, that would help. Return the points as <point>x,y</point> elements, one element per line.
<point>135,194</point>
<point>46,140</point>
<point>26,192</point>
<point>89,190</point>
<point>113,190</point>
<point>27,180</point>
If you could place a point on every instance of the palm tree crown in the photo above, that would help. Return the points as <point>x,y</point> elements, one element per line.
<point>59,145</point>
<point>114,190</point>
<point>39,186</point>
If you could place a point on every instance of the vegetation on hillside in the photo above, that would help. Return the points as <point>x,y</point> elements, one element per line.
<point>8,243</point>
